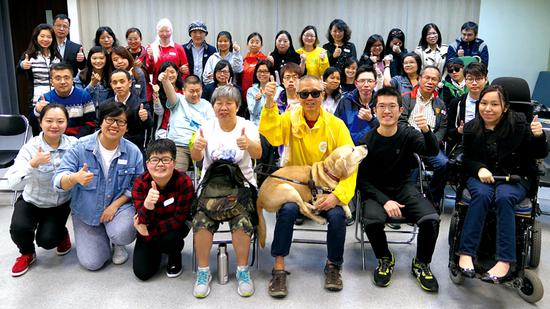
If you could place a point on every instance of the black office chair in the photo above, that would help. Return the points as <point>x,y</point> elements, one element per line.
<point>14,130</point>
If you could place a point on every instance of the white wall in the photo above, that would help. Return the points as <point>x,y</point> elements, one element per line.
<point>516,33</point>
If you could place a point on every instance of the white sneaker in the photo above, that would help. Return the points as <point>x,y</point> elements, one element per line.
<point>246,285</point>
<point>120,255</point>
<point>202,283</point>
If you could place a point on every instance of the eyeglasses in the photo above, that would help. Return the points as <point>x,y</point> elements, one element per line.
<point>119,122</point>
<point>314,94</point>
<point>164,160</point>
<point>263,71</point>
<point>290,76</point>
<point>224,72</point>
<point>454,69</point>
<point>363,81</point>
<point>477,79</point>
<point>383,107</point>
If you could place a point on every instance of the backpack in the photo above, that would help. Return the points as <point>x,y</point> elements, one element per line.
<point>225,193</point>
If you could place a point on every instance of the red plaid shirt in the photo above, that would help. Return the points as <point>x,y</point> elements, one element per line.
<point>172,208</point>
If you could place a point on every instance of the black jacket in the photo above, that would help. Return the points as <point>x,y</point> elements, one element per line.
<point>516,152</point>
<point>208,51</point>
<point>71,49</point>
<point>456,112</point>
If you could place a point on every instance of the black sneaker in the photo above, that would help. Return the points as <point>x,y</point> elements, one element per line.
<point>333,278</point>
<point>424,275</point>
<point>299,219</point>
<point>383,272</point>
<point>173,268</point>
<point>277,284</point>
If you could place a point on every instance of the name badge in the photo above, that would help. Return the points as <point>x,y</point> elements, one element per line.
<point>169,201</point>
<point>172,53</point>
<point>347,50</point>
<point>122,161</point>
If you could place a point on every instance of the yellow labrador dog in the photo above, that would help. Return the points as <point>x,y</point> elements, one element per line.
<point>274,192</point>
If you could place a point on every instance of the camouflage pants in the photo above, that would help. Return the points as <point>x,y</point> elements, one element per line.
<point>240,222</point>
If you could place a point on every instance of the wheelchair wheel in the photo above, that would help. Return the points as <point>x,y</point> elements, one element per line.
<point>531,290</point>
<point>453,225</point>
<point>535,245</point>
<point>455,275</point>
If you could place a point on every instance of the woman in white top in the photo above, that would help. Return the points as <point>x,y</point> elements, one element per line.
<point>227,50</point>
<point>331,80</point>
<point>430,49</point>
<point>255,97</point>
<point>37,59</point>
<point>235,139</point>
<point>40,212</point>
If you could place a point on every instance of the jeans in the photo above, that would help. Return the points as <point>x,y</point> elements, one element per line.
<point>93,243</point>
<point>336,232</point>
<point>46,224</point>
<point>439,177</point>
<point>505,197</point>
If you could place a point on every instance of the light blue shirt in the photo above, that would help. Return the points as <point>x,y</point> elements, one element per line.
<point>186,118</point>
<point>470,109</point>
<point>88,203</point>
<point>36,183</point>
<point>197,59</point>
<point>255,106</point>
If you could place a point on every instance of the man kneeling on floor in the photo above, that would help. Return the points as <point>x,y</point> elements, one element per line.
<point>384,182</point>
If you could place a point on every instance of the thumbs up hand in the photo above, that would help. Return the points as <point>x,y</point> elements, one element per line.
<point>421,121</point>
<point>40,104</point>
<point>536,126</point>
<point>80,55</point>
<point>152,197</point>
<point>271,87</point>
<point>83,177</point>
<point>26,64</point>
<point>96,78</point>
<point>460,52</point>
<point>142,113</point>
<point>39,158</point>
<point>200,141</point>
<point>242,140</point>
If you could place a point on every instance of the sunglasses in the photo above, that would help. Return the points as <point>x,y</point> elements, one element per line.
<point>454,69</point>
<point>314,94</point>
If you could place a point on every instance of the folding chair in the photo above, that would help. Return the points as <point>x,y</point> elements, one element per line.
<point>14,132</point>
<point>412,231</point>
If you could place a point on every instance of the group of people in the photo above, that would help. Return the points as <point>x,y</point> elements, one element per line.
<point>143,115</point>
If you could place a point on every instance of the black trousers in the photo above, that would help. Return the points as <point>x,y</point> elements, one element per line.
<point>148,253</point>
<point>46,224</point>
<point>417,209</point>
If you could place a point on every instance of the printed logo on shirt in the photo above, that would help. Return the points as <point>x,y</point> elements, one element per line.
<point>224,154</point>
<point>323,147</point>
<point>172,53</point>
<point>347,50</point>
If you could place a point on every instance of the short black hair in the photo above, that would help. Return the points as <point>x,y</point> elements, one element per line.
<point>132,30</point>
<point>269,66</point>
<point>470,25</point>
<point>388,91</point>
<point>61,66</point>
<point>62,17</point>
<point>476,69</point>
<point>253,34</point>
<point>342,26</point>
<point>365,68</point>
<point>192,80</point>
<point>46,108</point>
<point>112,109</point>
<point>161,146</point>
<point>121,71</point>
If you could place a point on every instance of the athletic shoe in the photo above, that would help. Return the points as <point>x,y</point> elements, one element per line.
<point>22,264</point>
<point>245,284</point>
<point>202,283</point>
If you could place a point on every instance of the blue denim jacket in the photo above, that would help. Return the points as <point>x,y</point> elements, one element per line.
<point>88,203</point>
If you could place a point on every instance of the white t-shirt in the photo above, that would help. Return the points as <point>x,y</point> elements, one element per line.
<point>223,145</point>
<point>107,157</point>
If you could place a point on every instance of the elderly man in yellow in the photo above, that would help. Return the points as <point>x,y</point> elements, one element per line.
<point>309,134</point>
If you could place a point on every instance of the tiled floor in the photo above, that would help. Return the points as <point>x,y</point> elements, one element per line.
<point>59,282</point>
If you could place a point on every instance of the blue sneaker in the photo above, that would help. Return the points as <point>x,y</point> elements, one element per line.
<point>245,284</point>
<point>202,283</point>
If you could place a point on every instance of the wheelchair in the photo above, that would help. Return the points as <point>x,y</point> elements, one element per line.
<point>528,245</point>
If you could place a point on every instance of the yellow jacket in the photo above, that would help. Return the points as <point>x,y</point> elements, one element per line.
<point>314,65</point>
<point>307,146</point>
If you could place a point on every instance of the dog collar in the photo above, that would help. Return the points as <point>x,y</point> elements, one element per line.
<point>330,175</point>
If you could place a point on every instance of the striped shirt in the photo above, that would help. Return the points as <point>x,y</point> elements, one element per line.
<point>40,67</point>
<point>428,110</point>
